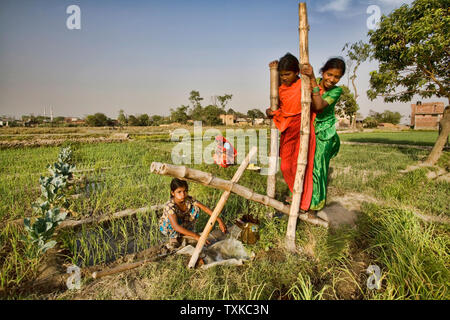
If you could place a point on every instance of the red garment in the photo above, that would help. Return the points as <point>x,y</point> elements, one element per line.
<point>290,105</point>
<point>225,153</point>
<point>288,121</point>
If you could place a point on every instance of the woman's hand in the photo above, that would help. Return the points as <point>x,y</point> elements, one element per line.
<point>307,70</point>
<point>269,113</point>
<point>273,64</point>
<point>206,241</point>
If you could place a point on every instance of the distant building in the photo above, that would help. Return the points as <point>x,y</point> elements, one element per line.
<point>74,120</point>
<point>228,119</point>
<point>426,115</point>
<point>258,121</point>
<point>244,122</point>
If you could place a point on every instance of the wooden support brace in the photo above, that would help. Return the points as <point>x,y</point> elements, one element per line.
<point>218,209</point>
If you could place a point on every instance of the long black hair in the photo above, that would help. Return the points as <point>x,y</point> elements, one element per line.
<point>288,63</point>
<point>178,183</point>
<point>334,63</point>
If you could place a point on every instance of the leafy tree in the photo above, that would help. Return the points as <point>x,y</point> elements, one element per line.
<point>231,111</point>
<point>255,113</point>
<point>370,122</point>
<point>196,111</point>
<point>122,118</point>
<point>144,120</point>
<point>98,120</point>
<point>133,121</point>
<point>347,105</point>
<point>179,114</point>
<point>412,47</point>
<point>386,117</point>
<point>223,100</point>
<point>156,120</point>
<point>211,115</point>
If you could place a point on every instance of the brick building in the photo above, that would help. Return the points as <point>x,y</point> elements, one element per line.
<point>426,115</point>
<point>228,119</point>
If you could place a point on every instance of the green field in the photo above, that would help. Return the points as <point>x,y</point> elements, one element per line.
<point>423,138</point>
<point>413,255</point>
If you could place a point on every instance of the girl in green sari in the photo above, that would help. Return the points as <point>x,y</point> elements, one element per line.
<point>325,95</point>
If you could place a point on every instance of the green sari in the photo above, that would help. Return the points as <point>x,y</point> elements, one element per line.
<point>327,146</point>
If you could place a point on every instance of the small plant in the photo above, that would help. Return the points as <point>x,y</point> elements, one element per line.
<point>41,231</point>
<point>52,194</point>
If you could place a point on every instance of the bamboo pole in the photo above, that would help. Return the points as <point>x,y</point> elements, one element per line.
<point>127,266</point>
<point>302,158</point>
<point>273,160</point>
<point>218,209</point>
<point>207,179</point>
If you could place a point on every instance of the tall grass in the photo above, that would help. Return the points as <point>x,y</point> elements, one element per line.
<point>413,256</point>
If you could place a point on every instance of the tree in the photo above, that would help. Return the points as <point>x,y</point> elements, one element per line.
<point>386,117</point>
<point>156,120</point>
<point>223,100</point>
<point>370,122</point>
<point>347,105</point>
<point>255,113</point>
<point>196,111</point>
<point>231,111</point>
<point>98,120</point>
<point>122,118</point>
<point>179,114</point>
<point>211,115</point>
<point>412,48</point>
<point>144,120</point>
<point>358,53</point>
<point>133,121</point>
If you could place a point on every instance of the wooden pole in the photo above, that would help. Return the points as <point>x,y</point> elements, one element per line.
<point>207,179</point>
<point>302,158</point>
<point>218,209</point>
<point>273,160</point>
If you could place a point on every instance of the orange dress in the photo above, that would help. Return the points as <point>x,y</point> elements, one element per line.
<point>288,120</point>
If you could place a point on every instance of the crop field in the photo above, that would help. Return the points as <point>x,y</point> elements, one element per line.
<point>412,254</point>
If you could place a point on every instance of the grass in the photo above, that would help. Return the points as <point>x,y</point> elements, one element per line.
<point>412,137</point>
<point>412,255</point>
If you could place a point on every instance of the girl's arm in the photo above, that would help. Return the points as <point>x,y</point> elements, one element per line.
<point>318,104</point>
<point>181,230</point>
<point>222,225</point>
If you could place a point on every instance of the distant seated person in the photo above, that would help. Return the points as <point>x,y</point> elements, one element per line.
<point>180,214</point>
<point>225,154</point>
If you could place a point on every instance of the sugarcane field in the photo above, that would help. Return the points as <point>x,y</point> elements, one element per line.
<point>322,174</point>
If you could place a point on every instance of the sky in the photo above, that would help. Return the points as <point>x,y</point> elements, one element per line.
<point>146,56</point>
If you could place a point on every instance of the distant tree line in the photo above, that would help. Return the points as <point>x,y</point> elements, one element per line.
<point>376,118</point>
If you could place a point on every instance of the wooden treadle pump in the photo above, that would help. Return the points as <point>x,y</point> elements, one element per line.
<point>218,209</point>
<point>304,131</point>
<point>273,160</point>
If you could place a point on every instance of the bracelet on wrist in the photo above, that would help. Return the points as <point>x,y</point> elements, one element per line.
<point>316,89</point>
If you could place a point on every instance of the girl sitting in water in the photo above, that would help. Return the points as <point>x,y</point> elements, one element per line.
<point>180,214</point>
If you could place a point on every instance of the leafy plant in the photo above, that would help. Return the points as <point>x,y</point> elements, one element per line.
<point>41,231</point>
<point>52,189</point>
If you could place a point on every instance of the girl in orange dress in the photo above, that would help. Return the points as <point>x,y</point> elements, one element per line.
<point>287,119</point>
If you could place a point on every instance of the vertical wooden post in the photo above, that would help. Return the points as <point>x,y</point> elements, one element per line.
<point>304,131</point>
<point>218,209</point>
<point>273,160</point>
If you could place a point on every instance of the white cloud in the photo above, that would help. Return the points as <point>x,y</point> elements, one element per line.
<point>394,3</point>
<point>335,5</point>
